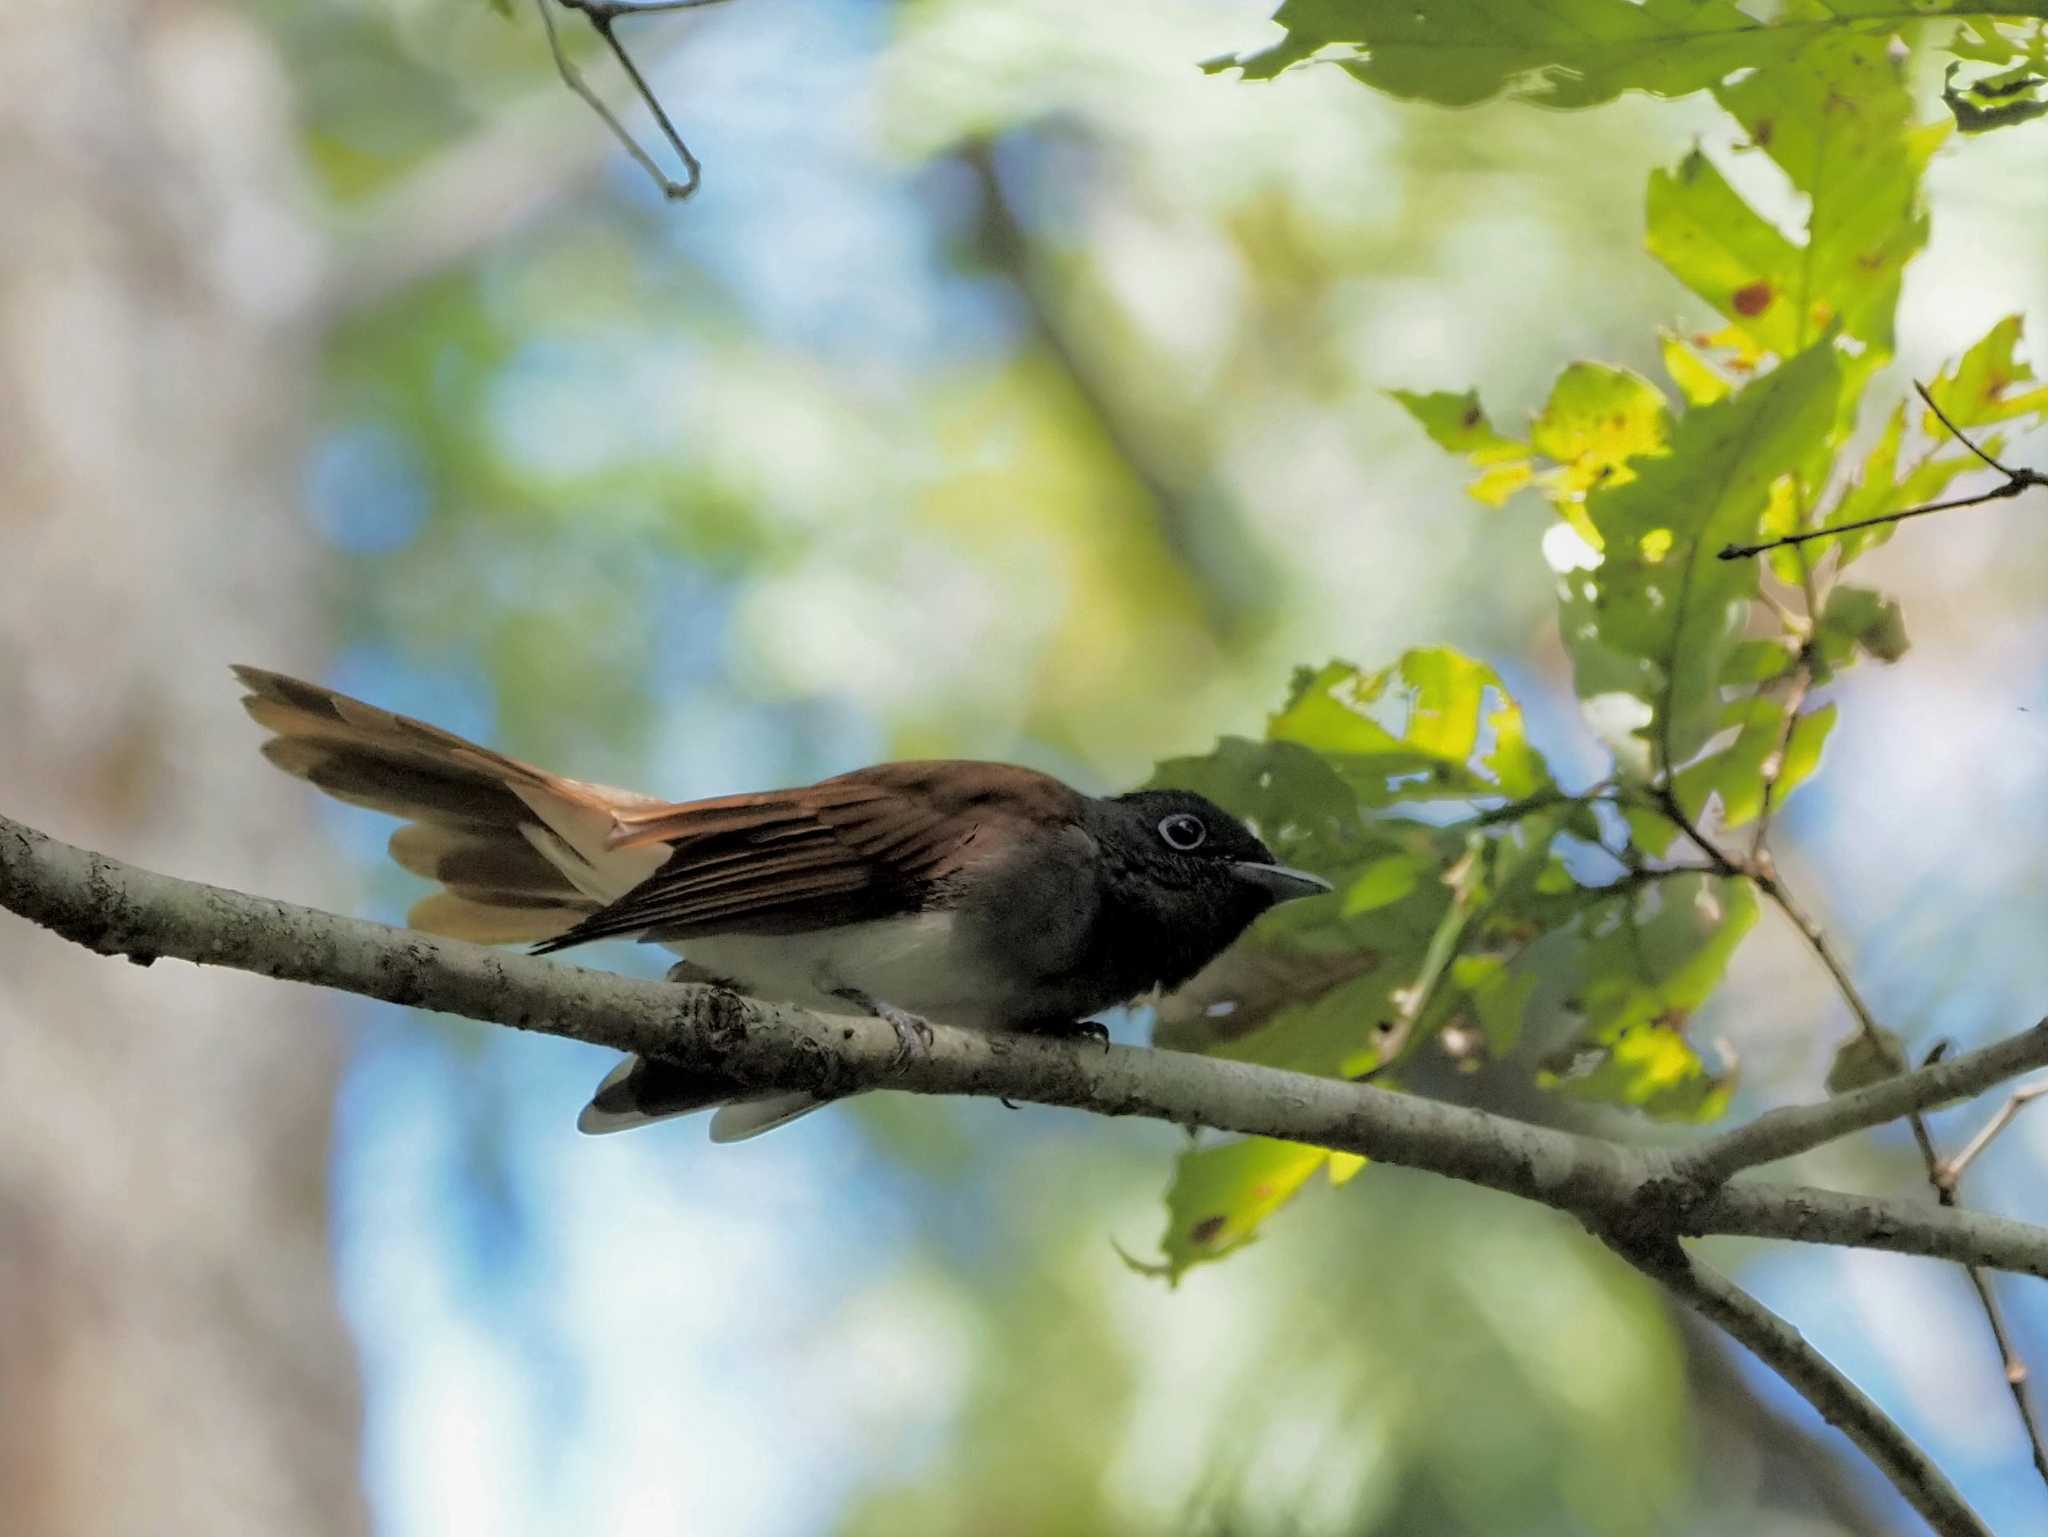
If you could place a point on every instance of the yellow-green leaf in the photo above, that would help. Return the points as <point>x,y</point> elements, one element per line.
<point>1221,1194</point>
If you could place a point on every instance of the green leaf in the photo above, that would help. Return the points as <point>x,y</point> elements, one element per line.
<point>1978,391</point>
<point>1660,619</point>
<point>1835,117</point>
<point>1576,53</point>
<point>1650,960</point>
<point>1987,386</point>
<point>1735,775</point>
<point>1862,1061</point>
<point>1857,619</point>
<point>1769,757</point>
<point>1696,378</point>
<point>1383,881</point>
<point>1596,420</point>
<point>1414,731</point>
<point>1456,423</point>
<point>1221,1194</point>
<point>2016,95</point>
<point>1803,748</point>
<point>1712,241</point>
<point>1566,53</point>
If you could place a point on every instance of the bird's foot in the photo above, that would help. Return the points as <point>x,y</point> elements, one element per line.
<point>913,1033</point>
<point>690,971</point>
<point>1080,1030</point>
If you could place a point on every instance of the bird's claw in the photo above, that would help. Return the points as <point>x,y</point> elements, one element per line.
<point>913,1035</point>
<point>1085,1030</point>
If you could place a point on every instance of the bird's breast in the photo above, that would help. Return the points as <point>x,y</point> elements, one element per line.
<point>928,963</point>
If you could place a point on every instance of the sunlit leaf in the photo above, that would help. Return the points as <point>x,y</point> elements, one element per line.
<point>1712,241</point>
<point>1572,53</point>
<point>1733,777</point>
<point>1664,629</point>
<point>1414,731</point>
<point>1596,420</point>
<point>1803,748</point>
<point>2016,95</point>
<point>1987,386</point>
<point>1980,389</point>
<point>1696,378</point>
<point>1457,424</point>
<point>1835,117</point>
<point>1569,53</point>
<point>1221,1194</point>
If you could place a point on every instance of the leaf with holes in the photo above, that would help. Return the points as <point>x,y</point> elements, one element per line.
<point>1660,618</point>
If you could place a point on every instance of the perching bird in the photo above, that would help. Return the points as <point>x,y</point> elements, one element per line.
<point>979,894</point>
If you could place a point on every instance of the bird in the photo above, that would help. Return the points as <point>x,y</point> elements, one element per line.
<point>984,895</point>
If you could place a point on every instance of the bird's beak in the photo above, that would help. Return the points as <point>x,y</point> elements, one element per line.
<point>1283,884</point>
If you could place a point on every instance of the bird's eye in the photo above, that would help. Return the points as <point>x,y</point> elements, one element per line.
<point>1183,831</point>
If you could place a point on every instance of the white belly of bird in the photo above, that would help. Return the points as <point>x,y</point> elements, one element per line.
<point>917,962</point>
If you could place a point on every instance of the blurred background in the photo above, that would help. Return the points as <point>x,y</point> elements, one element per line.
<point>1011,389</point>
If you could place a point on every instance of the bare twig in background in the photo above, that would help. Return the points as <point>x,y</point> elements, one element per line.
<point>2016,481</point>
<point>602,15</point>
<point>1640,1201</point>
<point>1779,1134</point>
<point>1952,1171</point>
<point>1760,869</point>
<point>2014,1369</point>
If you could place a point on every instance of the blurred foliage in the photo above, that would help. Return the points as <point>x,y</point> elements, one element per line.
<point>1286,1393</point>
<point>1020,393</point>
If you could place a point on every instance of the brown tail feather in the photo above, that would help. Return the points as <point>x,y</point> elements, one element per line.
<point>495,832</point>
<point>488,918</point>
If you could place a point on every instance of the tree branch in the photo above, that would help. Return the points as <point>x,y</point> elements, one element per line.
<point>1640,1201</point>
<point>1785,1133</point>
<point>1780,1346</point>
<point>118,909</point>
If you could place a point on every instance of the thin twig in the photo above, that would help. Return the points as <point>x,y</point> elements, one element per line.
<point>2015,1369</point>
<point>1780,1134</point>
<point>1954,431</point>
<point>1952,1171</point>
<point>1780,1346</point>
<point>1760,870</point>
<point>1774,765</point>
<point>2016,481</point>
<point>601,14</point>
<point>1946,1178</point>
